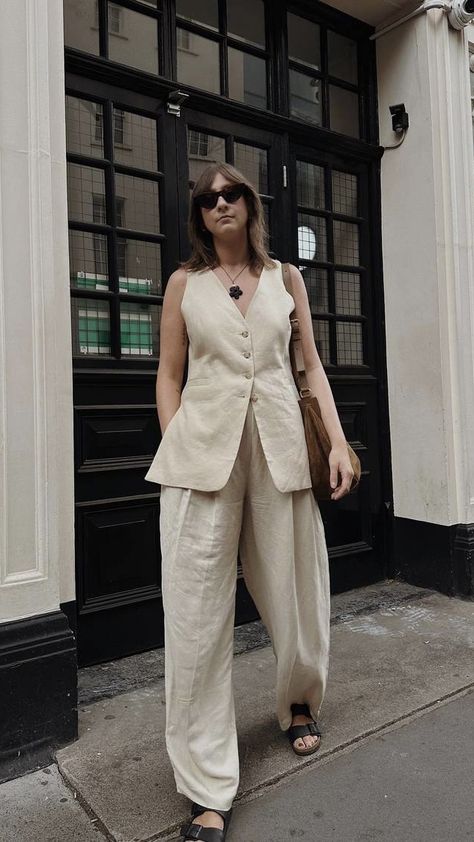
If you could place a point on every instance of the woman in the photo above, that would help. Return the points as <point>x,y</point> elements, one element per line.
<point>234,474</point>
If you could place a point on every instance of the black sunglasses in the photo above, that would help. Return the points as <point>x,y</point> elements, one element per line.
<point>230,194</point>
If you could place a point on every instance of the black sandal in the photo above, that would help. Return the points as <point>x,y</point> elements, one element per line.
<point>194,830</point>
<point>309,729</point>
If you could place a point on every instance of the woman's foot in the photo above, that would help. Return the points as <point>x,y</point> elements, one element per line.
<point>304,742</point>
<point>209,819</point>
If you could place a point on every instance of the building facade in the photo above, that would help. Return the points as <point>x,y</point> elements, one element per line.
<point>354,121</point>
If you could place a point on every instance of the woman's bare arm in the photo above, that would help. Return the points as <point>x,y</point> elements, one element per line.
<point>173,350</point>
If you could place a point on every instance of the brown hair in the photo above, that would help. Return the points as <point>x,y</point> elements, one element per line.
<point>203,253</point>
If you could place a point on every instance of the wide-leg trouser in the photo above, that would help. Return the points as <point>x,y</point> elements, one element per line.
<point>281,542</point>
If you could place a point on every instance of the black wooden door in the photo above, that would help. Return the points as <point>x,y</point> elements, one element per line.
<point>333,228</point>
<point>320,215</point>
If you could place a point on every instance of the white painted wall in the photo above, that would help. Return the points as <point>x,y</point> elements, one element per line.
<point>427,228</point>
<point>36,447</point>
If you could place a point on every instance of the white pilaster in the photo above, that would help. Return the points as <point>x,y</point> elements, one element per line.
<point>36,448</point>
<point>427,221</point>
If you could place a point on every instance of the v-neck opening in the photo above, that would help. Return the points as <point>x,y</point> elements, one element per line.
<point>231,300</point>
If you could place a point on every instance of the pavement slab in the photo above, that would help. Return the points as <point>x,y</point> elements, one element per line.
<point>39,807</point>
<point>412,782</point>
<point>386,662</point>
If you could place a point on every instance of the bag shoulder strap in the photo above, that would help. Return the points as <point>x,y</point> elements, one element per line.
<point>296,350</point>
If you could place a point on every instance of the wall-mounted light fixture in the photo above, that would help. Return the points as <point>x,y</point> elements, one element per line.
<point>174,102</point>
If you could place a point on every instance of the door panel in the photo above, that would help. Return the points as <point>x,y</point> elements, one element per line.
<point>331,246</point>
<point>123,239</point>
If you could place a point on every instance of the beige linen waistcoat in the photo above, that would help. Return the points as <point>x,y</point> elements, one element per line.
<point>233,359</point>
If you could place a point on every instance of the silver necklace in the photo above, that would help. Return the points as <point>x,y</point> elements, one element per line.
<point>234,290</point>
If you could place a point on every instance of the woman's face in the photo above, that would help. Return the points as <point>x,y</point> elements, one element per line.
<point>226,219</point>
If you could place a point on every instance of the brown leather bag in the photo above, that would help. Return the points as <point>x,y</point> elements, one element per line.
<point>317,439</point>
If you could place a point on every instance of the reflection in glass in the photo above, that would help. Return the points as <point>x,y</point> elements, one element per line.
<point>138,206</point>
<point>306,243</point>
<point>203,149</point>
<point>139,329</point>
<point>135,140</point>
<point>133,39</point>
<point>81,25</point>
<point>85,193</point>
<point>90,327</point>
<point>316,281</point>
<point>349,343</point>
<point>198,64</point>
<point>304,44</point>
<point>347,290</point>
<point>311,237</point>
<point>139,265</point>
<point>247,78</point>
<point>310,185</point>
<point>321,338</point>
<point>344,193</point>
<point>246,21</point>
<point>204,12</point>
<point>253,163</point>
<point>305,97</point>
<point>343,111</point>
<point>88,260</point>
<point>342,57</point>
<point>84,127</point>
<point>346,243</point>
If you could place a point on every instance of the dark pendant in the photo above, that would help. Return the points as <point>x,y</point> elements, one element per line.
<point>235,291</point>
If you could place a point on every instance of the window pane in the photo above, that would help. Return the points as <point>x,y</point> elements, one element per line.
<point>88,263</point>
<point>342,57</point>
<point>246,21</point>
<point>135,140</point>
<point>204,12</point>
<point>86,193</point>
<point>90,327</point>
<point>346,243</point>
<point>344,193</point>
<point>81,25</point>
<point>316,281</point>
<point>84,127</point>
<point>321,338</point>
<point>137,205</point>
<point>305,97</point>
<point>312,244</point>
<point>310,185</point>
<point>133,39</point>
<point>304,43</point>
<point>198,63</point>
<point>252,162</point>
<point>349,343</point>
<point>139,265</point>
<point>347,289</point>
<point>203,149</point>
<point>247,78</point>
<point>343,111</point>
<point>139,329</point>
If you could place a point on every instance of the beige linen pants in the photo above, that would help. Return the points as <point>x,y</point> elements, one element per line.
<point>281,542</point>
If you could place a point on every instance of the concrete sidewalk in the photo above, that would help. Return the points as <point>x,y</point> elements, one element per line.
<point>396,653</point>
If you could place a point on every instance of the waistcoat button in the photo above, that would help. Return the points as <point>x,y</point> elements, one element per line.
<point>247,354</point>
<point>248,375</point>
<point>245,333</point>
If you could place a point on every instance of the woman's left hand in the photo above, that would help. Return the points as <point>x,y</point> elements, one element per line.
<point>340,464</point>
